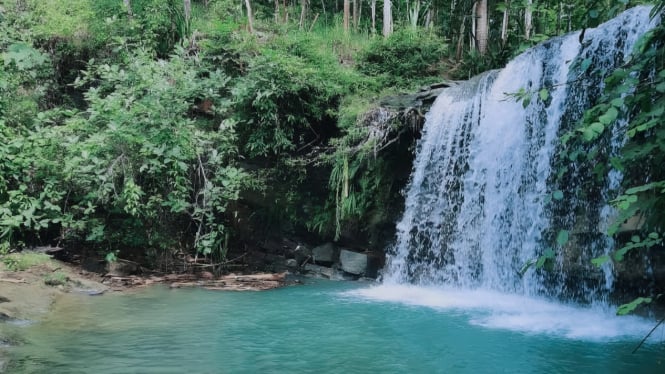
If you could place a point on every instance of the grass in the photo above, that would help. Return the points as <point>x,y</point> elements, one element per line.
<point>24,261</point>
<point>57,278</point>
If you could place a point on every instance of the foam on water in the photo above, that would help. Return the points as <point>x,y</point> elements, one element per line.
<point>531,315</point>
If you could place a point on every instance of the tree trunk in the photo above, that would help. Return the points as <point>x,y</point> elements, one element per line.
<point>250,17</point>
<point>286,12</point>
<point>277,16</point>
<point>482,26</point>
<point>187,4</point>
<point>504,23</point>
<point>347,15</point>
<point>387,18</point>
<point>460,41</point>
<point>373,11</point>
<point>356,14</point>
<point>528,23</point>
<point>473,40</point>
<point>128,5</point>
<point>428,18</point>
<point>303,13</point>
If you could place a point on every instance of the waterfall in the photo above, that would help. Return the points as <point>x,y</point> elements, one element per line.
<point>479,202</point>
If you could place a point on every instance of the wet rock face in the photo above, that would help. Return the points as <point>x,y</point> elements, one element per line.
<point>325,254</point>
<point>353,262</point>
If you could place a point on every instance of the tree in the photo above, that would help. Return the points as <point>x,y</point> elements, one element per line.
<point>128,6</point>
<point>528,19</point>
<point>387,18</point>
<point>187,4</point>
<point>347,14</point>
<point>373,11</point>
<point>250,17</point>
<point>482,26</point>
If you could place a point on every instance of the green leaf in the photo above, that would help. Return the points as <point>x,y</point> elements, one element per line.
<point>631,306</point>
<point>526,102</point>
<point>544,94</point>
<point>609,116</point>
<point>586,63</point>
<point>593,13</point>
<point>557,195</point>
<point>599,261</point>
<point>618,102</point>
<point>597,127</point>
<point>562,237</point>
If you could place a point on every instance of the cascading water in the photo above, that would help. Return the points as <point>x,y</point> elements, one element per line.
<point>478,206</point>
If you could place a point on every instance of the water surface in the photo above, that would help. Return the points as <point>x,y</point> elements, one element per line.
<point>331,327</point>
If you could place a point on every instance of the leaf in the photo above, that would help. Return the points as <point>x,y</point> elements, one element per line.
<point>526,267</point>
<point>597,127</point>
<point>526,102</point>
<point>557,195</point>
<point>562,237</point>
<point>586,63</point>
<point>593,13</point>
<point>624,309</point>
<point>618,102</point>
<point>609,116</point>
<point>544,94</point>
<point>600,261</point>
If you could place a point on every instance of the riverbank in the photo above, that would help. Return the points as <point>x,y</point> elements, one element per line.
<point>31,282</point>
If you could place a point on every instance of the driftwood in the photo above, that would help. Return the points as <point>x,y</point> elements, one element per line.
<point>12,280</point>
<point>231,282</point>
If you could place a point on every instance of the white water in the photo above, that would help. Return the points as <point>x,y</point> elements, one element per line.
<point>530,315</point>
<point>477,204</point>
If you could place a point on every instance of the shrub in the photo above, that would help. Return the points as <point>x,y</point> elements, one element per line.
<point>404,57</point>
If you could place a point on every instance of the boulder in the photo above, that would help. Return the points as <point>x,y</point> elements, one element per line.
<point>122,268</point>
<point>302,253</point>
<point>353,262</point>
<point>325,254</point>
<point>319,271</point>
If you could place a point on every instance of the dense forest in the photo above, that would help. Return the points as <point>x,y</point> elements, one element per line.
<point>156,128</point>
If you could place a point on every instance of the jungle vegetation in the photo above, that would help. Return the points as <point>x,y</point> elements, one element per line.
<point>150,127</point>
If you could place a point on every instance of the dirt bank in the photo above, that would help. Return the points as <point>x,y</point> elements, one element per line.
<point>30,283</point>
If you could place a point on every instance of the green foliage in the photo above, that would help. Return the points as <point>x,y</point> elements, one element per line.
<point>132,167</point>
<point>284,104</point>
<point>57,278</point>
<point>631,306</point>
<point>24,261</point>
<point>632,103</point>
<point>405,57</point>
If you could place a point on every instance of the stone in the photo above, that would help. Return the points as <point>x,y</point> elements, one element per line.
<point>302,253</point>
<point>340,275</point>
<point>325,254</point>
<point>353,262</point>
<point>319,271</point>
<point>291,263</point>
<point>122,268</point>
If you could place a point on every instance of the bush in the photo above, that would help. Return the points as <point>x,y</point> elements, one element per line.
<point>56,279</point>
<point>406,56</point>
